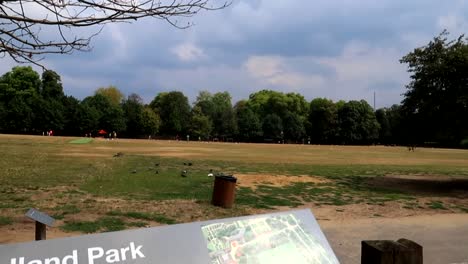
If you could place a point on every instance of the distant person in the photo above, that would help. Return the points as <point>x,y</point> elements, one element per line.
<point>188,138</point>
<point>115,135</point>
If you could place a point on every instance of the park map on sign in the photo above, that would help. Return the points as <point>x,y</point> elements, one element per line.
<point>267,240</point>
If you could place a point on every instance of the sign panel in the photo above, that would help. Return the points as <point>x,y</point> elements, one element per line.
<point>286,237</point>
<point>40,217</point>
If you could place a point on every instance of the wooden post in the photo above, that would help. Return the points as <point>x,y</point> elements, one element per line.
<point>40,231</point>
<point>403,251</point>
<point>377,251</point>
<point>416,251</point>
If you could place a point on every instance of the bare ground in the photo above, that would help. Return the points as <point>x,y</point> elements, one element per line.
<point>92,207</point>
<point>253,180</point>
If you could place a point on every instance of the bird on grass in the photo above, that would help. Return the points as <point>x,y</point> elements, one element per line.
<point>183,173</point>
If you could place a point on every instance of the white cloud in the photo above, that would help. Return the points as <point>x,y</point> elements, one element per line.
<point>264,66</point>
<point>187,52</point>
<point>363,63</point>
<point>362,69</point>
<point>276,71</point>
<point>355,74</point>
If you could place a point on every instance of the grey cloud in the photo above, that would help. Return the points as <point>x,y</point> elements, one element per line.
<point>335,49</point>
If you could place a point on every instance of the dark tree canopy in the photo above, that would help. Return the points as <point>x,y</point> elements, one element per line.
<point>25,25</point>
<point>323,119</point>
<point>248,123</point>
<point>436,102</point>
<point>174,110</point>
<point>358,124</point>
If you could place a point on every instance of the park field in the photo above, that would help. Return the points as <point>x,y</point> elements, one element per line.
<point>103,185</point>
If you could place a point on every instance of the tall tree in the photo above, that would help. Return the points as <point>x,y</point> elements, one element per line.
<point>248,123</point>
<point>323,120</point>
<point>224,120</point>
<point>51,86</point>
<point>20,95</point>
<point>200,124</point>
<point>273,127</point>
<point>150,122</point>
<point>358,124</point>
<point>294,129</point>
<point>385,131</point>
<point>437,97</point>
<point>205,102</point>
<point>174,110</point>
<point>110,116</point>
<point>71,115</point>
<point>133,111</point>
<point>113,93</point>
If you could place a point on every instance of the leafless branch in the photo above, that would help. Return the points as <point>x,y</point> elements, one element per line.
<point>24,23</point>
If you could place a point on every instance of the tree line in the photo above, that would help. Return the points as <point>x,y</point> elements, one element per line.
<point>434,110</point>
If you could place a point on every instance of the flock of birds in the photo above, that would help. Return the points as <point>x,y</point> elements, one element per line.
<point>183,173</point>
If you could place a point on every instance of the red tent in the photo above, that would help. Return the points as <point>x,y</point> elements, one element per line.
<point>102,132</point>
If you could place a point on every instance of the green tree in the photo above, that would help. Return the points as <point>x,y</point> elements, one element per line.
<point>294,129</point>
<point>20,79</point>
<point>297,104</point>
<point>51,86</point>
<point>174,111</point>
<point>20,96</point>
<point>110,116</point>
<point>48,114</point>
<point>224,119</point>
<point>71,115</point>
<point>436,100</point>
<point>88,119</point>
<point>273,127</point>
<point>19,116</point>
<point>385,131</point>
<point>150,121</point>
<point>113,93</point>
<point>133,111</point>
<point>248,123</point>
<point>205,102</point>
<point>323,120</point>
<point>358,124</point>
<point>200,125</point>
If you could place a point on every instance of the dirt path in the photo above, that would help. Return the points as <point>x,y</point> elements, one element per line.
<point>444,237</point>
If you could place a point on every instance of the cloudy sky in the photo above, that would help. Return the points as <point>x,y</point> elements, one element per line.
<point>344,49</point>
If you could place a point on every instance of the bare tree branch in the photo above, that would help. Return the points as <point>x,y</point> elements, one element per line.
<point>22,22</point>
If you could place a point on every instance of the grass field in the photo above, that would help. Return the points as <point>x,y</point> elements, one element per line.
<point>89,188</point>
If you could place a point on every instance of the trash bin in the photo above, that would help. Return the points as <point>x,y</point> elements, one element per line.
<point>224,191</point>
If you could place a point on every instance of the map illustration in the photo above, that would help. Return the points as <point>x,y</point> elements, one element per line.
<point>266,240</point>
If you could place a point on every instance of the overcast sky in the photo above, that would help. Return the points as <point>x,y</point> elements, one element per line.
<point>320,48</point>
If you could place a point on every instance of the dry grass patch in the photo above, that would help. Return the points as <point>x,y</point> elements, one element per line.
<point>254,180</point>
